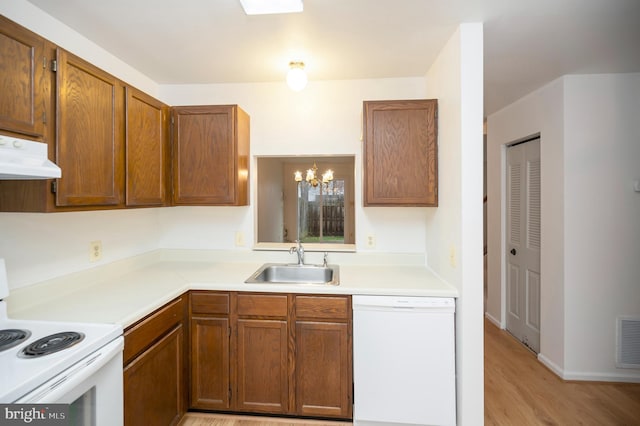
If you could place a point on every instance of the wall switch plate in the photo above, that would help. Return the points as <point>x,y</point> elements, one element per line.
<point>95,251</point>
<point>371,241</point>
<point>239,239</point>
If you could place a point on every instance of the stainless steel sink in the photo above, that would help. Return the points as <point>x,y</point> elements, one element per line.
<point>280,273</point>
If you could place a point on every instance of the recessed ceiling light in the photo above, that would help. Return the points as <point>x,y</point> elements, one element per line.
<point>266,7</point>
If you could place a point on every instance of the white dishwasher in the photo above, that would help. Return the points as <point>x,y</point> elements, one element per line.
<point>404,360</point>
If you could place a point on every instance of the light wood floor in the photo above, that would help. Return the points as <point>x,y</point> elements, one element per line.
<point>519,390</point>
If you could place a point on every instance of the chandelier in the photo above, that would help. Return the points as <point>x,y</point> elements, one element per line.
<point>312,176</point>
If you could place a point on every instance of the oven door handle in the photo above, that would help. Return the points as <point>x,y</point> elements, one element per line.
<point>57,387</point>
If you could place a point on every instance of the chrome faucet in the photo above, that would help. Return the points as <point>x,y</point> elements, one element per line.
<point>299,250</point>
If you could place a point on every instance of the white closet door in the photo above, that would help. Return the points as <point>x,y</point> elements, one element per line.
<point>523,242</point>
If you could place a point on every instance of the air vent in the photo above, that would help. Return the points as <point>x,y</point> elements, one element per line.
<point>628,355</point>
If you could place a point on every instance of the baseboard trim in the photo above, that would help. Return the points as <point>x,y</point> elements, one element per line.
<point>494,320</point>
<point>601,377</point>
<point>587,376</point>
<point>551,365</point>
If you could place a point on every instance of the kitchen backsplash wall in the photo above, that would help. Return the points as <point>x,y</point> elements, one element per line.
<point>40,246</point>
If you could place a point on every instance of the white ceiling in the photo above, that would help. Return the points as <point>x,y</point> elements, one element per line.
<point>526,43</point>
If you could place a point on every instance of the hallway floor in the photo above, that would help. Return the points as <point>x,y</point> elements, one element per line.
<point>519,390</point>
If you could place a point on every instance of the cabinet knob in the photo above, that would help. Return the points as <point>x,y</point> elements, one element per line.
<point>513,251</point>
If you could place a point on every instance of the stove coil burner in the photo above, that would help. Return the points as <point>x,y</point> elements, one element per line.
<point>50,344</point>
<point>11,337</point>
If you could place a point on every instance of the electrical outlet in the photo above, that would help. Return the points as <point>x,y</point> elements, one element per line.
<point>239,239</point>
<point>371,241</point>
<point>452,256</point>
<point>95,251</point>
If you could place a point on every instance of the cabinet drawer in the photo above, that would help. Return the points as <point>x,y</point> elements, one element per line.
<point>209,303</point>
<point>141,335</point>
<point>333,307</point>
<point>269,305</point>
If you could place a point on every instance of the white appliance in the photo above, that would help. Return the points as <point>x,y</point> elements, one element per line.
<point>86,374</point>
<point>404,360</point>
<point>25,159</point>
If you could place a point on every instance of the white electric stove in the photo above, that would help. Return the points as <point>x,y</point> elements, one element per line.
<point>79,364</point>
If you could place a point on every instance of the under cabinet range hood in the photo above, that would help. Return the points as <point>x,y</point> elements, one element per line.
<point>22,159</point>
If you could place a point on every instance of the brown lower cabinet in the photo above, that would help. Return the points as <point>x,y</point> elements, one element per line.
<point>323,356</point>
<point>210,351</point>
<point>262,355</point>
<point>271,353</point>
<point>154,367</point>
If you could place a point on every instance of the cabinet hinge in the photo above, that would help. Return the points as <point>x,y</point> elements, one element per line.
<point>54,186</point>
<point>54,65</point>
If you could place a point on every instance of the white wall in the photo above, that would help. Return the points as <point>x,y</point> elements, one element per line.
<point>37,247</point>
<point>539,112</point>
<point>602,220</point>
<point>270,198</point>
<point>590,156</point>
<point>454,229</point>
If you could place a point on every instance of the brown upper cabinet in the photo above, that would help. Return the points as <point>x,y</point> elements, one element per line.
<point>90,142</point>
<point>23,86</point>
<point>148,150</point>
<point>110,140</point>
<point>210,155</point>
<point>401,153</point>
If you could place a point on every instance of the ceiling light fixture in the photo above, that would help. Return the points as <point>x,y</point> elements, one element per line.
<point>312,176</point>
<point>267,7</point>
<point>296,77</point>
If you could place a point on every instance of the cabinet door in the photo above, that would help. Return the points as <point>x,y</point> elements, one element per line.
<point>400,153</point>
<point>147,150</point>
<point>323,356</point>
<point>210,155</point>
<point>153,383</point>
<point>22,80</point>
<point>89,134</point>
<point>210,363</point>
<point>262,376</point>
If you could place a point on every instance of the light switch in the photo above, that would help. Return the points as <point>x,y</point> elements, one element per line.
<point>636,185</point>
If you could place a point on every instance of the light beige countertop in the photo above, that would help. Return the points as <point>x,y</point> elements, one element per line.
<point>124,291</point>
